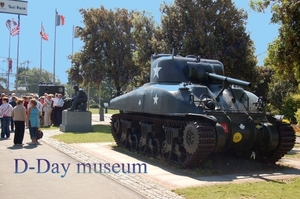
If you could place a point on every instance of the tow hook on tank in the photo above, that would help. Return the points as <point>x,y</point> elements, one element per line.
<point>252,156</point>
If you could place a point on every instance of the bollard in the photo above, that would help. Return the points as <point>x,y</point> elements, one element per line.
<point>101,114</point>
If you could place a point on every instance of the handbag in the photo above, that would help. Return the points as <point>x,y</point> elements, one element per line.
<point>39,134</point>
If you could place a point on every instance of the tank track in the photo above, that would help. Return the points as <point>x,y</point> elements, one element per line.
<point>199,150</point>
<point>286,143</point>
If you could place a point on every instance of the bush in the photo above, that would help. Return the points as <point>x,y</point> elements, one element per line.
<point>94,106</point>
<point>289,107</point>
<point>297,116</point>
<point>278,92</point>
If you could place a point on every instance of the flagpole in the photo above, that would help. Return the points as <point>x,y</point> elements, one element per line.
<point>18,50</point>
<point>54,46</point>
<point>41,55</point>
<point>9,42</point>
<point>73,35</point>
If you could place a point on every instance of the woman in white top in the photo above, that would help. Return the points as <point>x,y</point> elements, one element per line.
<point>47,111</point>
<point>5,115</point>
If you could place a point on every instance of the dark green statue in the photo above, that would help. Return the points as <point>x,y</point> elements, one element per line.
<point>79,101</point>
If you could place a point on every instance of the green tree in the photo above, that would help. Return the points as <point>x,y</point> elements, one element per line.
<point>30,78</point>
<point>283,53</point>
<point>265,74</point>
<point>108,47</point>
<point>278,91</point>
<point>144,35</point>
<point>3,84</point>
<point>75,72</point>
<point>211,29</point>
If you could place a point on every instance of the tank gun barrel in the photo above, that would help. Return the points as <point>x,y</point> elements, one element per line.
<point>228,80</point>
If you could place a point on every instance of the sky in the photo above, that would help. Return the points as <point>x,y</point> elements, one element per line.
<point>258,26</point>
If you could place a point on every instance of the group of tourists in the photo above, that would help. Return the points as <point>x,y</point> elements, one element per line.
<point>32,112</point>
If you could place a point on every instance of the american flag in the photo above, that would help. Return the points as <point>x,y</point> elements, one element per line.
<point>8,24</point>
<point>44,35</point>
<point>16,29</point>
<point>14,22</point>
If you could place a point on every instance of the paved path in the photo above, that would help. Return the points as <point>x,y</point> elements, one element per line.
<point>50,185</point>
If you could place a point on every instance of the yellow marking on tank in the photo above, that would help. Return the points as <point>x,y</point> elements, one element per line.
<point>237,137</point>
<point>258,126</point>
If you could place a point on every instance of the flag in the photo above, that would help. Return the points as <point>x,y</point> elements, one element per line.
<point>16,29</point>
<point>8,24</point>
<point>43,34</point>
<point>14,22</point>
<point>60,19</point>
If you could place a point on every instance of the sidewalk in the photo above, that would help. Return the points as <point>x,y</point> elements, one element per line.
<point>60,181</point>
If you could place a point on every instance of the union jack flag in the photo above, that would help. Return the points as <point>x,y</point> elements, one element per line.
<point>8,24</point>
<point>16,29</point>
<point>44,35</point>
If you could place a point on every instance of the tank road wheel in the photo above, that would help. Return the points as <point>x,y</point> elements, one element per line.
<point>143,148</point>
<point>190,138</point>
<point>134,142</point>
<point>182,156</point>
<point>165,152</point>
<point>156,146</point>
<point>116,129</point>
<point>199,141</point>
<point>125,140</point>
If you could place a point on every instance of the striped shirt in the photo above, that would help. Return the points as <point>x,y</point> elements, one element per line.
<point>5,110</point>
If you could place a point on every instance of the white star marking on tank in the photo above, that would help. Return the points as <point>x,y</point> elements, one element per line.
<point>140,102</point>
<point>242,126</point>
<point>156,70</point>
<point>155,99</point>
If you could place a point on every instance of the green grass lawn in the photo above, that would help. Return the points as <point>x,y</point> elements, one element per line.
<point>101,134</point>
<point>109,111</point>
<point>288,188</point>
<point>51,128</point>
